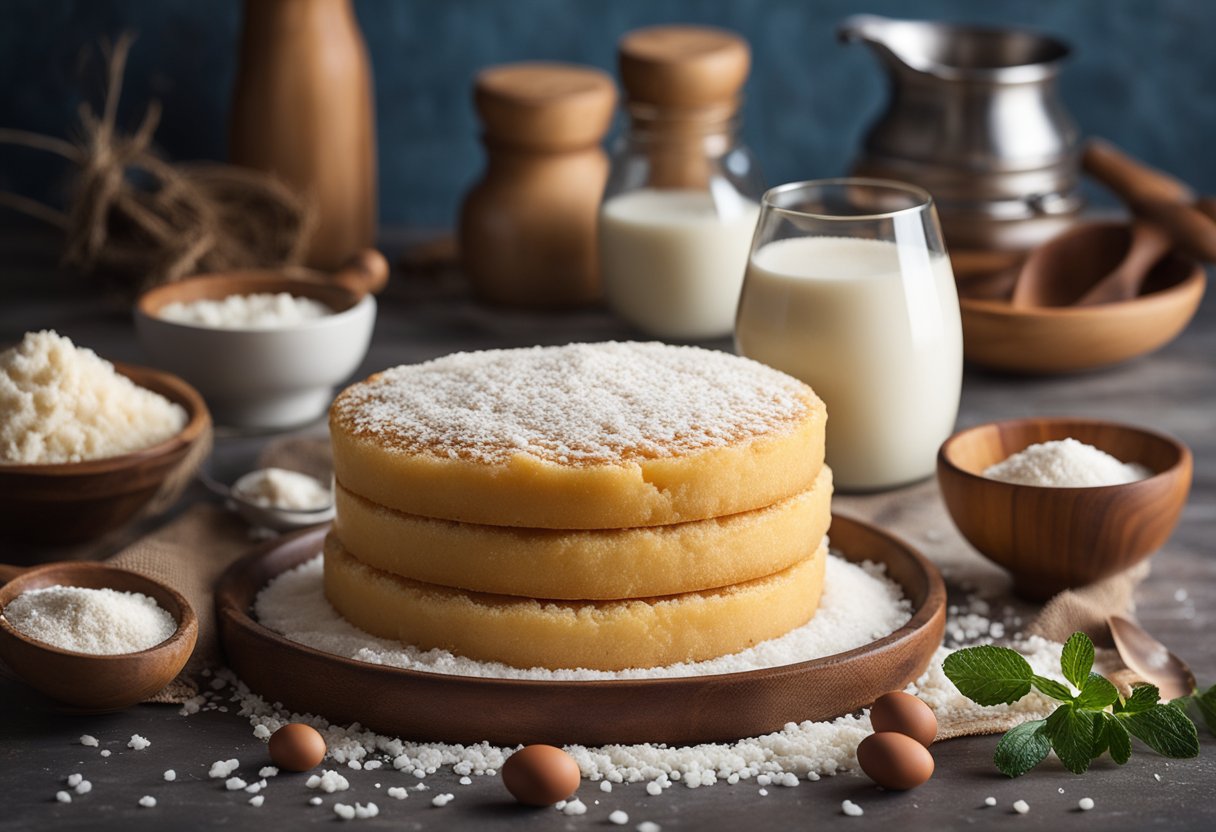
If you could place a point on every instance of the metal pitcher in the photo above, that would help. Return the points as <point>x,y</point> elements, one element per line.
<point>974,117</point>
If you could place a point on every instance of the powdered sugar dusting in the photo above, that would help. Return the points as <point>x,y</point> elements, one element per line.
<point>577,404</point>
<point>859,604</point>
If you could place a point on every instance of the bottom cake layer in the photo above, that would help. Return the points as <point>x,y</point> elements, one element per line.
<point>604,635</point>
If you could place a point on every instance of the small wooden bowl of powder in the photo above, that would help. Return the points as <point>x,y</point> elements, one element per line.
<point>94,637</point>
<point>86,445</point>
<point>1062,503</point>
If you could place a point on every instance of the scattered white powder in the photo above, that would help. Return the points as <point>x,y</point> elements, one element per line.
<point>88,740</point>
<point>66,404</point>
<point>256,311</point>
<point>170,775</point>
<point>328,782</point>
<point>618,817</point>
<point>1065,463</point>
<point>578,404</point>
<point>95,621</point>
<point>222,768</point>
<point>851,809</point>
<point>441,800</point>
<point>859,604</point>
<point>283,489</point>
<point>63,797</point>
<point>257,800</point>
<point>148,801</point>
<point>1085,804</point>
<point>1021,807</point>
<point>138,743</point>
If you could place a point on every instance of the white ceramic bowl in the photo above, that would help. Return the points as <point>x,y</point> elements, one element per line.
<point>260,378</point>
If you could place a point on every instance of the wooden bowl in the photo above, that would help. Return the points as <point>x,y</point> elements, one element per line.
<point>1049,340</point>
<point>1052,539</point>
<point>90,682</point>
<point>260,378</point>
<point>436,707</point>
<point>72,502</point>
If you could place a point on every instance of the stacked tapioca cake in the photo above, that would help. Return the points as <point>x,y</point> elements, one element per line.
<point>595,505</point>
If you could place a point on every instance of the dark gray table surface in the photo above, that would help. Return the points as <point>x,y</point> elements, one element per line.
<point>1174,390</point>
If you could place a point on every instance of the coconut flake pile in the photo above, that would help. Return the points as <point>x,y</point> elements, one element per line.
<point>577,404</point>
<point>859,604</point>
<point>97,621</point>
<point>1065,463</point>
<point>264,310</point>
<point>62,403</point>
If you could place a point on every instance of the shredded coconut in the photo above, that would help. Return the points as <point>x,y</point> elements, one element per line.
<point>328,781</point>
<point>138,743</point>
<point>95,621</point>
<point>859,604</point>
<point>1065,463</point>
<point>283,489</point>
<point>263,310</point>
<point>578,404</point>
<point>62,403</point>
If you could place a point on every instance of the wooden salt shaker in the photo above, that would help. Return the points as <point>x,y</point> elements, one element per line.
<point>302,109</point>
<point>683,85</point>
<point>528,229</point>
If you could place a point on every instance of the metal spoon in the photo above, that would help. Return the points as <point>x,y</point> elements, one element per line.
<point>1151,659</point>
<point>267,517</point>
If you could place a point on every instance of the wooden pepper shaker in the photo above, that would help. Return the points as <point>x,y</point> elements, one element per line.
<point>302,109</point>
<point>528,229</point>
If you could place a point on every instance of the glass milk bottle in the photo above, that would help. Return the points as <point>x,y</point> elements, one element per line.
<point>682,199</point>
<point>849,288</point>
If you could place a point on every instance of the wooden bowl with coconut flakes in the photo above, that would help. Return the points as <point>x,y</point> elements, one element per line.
<point>71,502</point>
<point>1055,538</point>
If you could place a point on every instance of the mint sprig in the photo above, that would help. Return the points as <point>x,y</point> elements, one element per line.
<point>1087,724</point>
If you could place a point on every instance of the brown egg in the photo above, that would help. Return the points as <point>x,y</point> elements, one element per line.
<point>895,761</point>
<point>540,775</point>
<point>297,747</point>
<point>903,713</point>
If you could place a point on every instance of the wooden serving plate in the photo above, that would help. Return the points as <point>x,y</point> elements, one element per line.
<point>435,707</point>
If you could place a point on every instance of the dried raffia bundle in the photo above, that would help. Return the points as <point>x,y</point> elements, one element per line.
<point>138,220</point>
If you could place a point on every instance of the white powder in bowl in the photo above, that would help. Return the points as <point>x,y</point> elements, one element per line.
<point>283,489</point>
<point>859,604</point>
<point>1065,463</point>
<point>257,311</point>
<point>62,403</point>
<point>96,621</point>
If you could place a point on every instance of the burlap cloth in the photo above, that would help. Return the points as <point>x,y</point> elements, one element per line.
<point>190,553</point>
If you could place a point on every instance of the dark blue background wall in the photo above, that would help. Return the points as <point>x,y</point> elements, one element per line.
<point>1144,75</point>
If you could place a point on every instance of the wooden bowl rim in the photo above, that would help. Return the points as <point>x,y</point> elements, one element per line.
<point>1166,297</point>
<point>922,616</point>
<point>945,459</point>
<point>187,620</point>
<point>150,302</point>
<point>172,387</point>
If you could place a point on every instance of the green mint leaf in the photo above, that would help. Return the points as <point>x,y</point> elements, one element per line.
<point>1052,688</point>
<point>1022,748</point>
<point>1097,693</point>
<point>1166,730</point>
<point>989,675</point>
<point>1077,660</point>
<point>1117,739</point>
<point>1142,699</point>
<point>1101,739</point>
<point>1206,702</point>
<point>1072,736</point>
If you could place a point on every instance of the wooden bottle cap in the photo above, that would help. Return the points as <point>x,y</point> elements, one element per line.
<point>683,67</point>
<point>545,106</point>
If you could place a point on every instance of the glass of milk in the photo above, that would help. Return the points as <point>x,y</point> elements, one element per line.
<point>849,288</point>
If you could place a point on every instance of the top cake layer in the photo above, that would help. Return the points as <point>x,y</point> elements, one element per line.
<point>608,435</point>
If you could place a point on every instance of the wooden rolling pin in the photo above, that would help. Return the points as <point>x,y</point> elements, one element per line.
<point>1156,196</point>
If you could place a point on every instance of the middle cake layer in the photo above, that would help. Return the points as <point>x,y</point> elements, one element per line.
<point>605,635</point>
<point>595,564</point>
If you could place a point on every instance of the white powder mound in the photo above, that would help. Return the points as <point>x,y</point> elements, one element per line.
<point>66,404</point>
<point>1065,463</point>
<point>283,489</point>
<point>859,605</point>
<point>96,621</point>
<point>257,311</point>
<point>578,404</point>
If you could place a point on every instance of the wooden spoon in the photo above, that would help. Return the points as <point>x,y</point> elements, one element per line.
<point>88,682</point>
<point>365,273</point>
<point>1151,659</point>
<point>1091,263</point>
